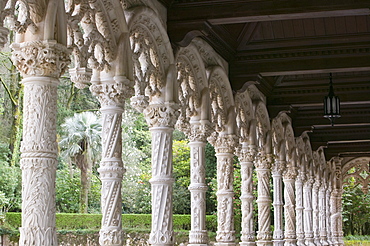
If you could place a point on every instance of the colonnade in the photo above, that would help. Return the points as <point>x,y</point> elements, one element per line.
<point>122,51</point>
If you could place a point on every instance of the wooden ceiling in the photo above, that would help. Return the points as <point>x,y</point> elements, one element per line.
<point>290,47</point>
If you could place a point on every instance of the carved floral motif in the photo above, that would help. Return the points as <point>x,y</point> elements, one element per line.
<point>161,115</point>
<point>41,58</point>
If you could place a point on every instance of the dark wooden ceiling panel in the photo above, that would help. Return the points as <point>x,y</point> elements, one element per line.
<point>289,47</point>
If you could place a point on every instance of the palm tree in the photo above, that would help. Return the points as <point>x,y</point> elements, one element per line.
<point>81,145</point>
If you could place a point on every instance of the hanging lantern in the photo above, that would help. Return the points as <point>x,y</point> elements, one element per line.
<point>331,104</point>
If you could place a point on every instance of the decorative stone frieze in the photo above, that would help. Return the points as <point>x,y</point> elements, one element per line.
<point>41,58</point>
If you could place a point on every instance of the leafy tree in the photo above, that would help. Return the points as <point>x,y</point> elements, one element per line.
<point>356,210</point>
<point>81,145</point>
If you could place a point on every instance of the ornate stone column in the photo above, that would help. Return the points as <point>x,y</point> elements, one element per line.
<point>322,214</point>
<point>315,211</point>
<point>247,156</point>
<point>225,146</point>
<point>111,93</point>
<point>198,235</point>
<point>278,235</point>
<point>161,119</point>
<point>336,205</point>
<point>263,168</point>
<point>308,220</point>
<point>299,208</point>
<point>289,207</point>
<point>328,213</point>
<point>41,63</point>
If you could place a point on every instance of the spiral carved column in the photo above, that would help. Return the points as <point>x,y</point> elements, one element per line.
<point>41,63</point>
<point>328,215</point>
<point>315,211</point>
<point>289,207</point>
<point>161,119</point>
<point>278,203</point>
<point>247,156</point>
<point>224,145</point>
<point>336,205</point>
<point>198,235</point>
<point>322,215</point>
<point>307,202</point>
<point>263,169</point>
<point>299,209</point>
<point>111,94</point>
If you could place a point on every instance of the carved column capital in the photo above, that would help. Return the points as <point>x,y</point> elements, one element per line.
<point>264,161</point>
<point>41,58</point>
<point>246,154</point>
<point>290,172</point>
<point>80,76</point>
<point>223,143</point>
<point>199,132</point>
<point>113,94</point>
<point>162,115</point>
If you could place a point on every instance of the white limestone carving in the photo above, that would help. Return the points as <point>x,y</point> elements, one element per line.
<point>277,170</point>
<point>161,120</point>
<point>224,146</point>
<point>40,58</point>
<point>299,208</point>
<point>263,167</point>
<point>322,214</point>
<point>247,156</point>
<point>198,235</point>
<point>289,207</point>
<point>315,211</point>
<point>111,97</point>
<point>41,63</point>
<point>308,216</point>
<point>336,205</point>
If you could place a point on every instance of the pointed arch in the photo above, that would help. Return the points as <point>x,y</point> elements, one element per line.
<point>357,168</point>
<point>244,115</point>
<point>152,56</point>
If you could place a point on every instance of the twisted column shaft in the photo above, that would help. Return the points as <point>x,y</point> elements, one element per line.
<point>307,201</point>
<point>322,215</point>
<point>111,93</point>
<point>161,119</point>
<point>289,207</point>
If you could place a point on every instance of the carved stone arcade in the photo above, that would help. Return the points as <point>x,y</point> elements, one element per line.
<point>136,61</point>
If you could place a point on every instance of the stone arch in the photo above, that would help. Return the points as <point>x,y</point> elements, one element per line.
<point>154,68</point>
<point>301,156</point>
<point>263,127</point>
<point>244,117</point>
<point>357,168</point>
<point>222,101</point>
<point>192,85</point>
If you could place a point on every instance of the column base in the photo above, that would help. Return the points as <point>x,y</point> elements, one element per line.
<point>197,244</point>
<point>247,243</point>
<point>264,243</point>
<point>310,242</point>
<point>278,242</point>
<point>301,242</point>
<point>225,244</point>
<point>290,242</point>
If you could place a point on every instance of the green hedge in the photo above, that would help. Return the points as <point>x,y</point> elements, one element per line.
<point>66,221</point>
